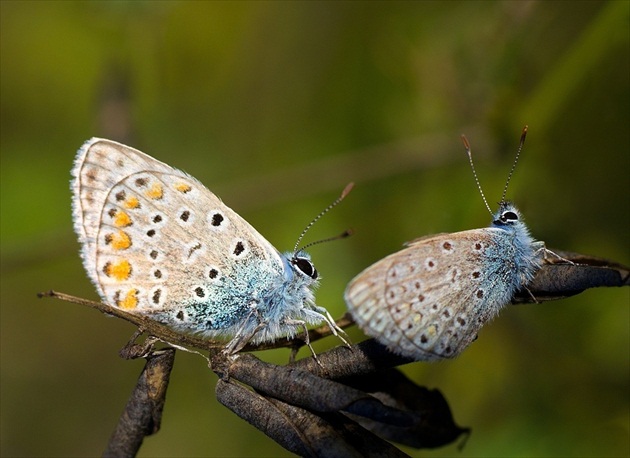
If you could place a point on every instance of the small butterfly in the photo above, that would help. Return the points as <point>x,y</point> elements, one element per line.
<point>429,300</point>
<point>156,242</point>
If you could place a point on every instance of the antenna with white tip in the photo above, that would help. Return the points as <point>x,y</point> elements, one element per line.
<point>507,182</point>
<point>347,233</point>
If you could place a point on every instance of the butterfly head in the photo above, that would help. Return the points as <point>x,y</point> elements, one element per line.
<point>507,215</point>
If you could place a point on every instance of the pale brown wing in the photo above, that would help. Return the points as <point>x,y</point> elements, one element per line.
<point>429,300</point>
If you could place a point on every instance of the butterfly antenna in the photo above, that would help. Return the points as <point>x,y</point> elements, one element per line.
<point>518,153</point>
<point>343,235</point>
<point>472,166</point>
<point>343,195</point>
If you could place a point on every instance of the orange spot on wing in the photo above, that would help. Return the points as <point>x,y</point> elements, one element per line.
<point>130,301</point>
<point>183,187</point>
<point>131,202</point>
<point>119,241</point>
<point>156,192</point>
<point>119,271</point>
<point>122,219</point>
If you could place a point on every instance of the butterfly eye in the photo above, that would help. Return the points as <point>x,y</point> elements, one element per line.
<point>305,266</point>
<point>509,217</point>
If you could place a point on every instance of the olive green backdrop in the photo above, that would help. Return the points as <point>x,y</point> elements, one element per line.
<point>275,107</point>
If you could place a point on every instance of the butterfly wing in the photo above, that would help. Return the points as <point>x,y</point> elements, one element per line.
<point>429,300</point>
<point>156,241</point>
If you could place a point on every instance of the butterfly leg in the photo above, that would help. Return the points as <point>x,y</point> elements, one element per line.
<point>536,301</point>
<point>244,335</point>
<point>307,339</point>
<point>557,256</point>
<point>336,330</point>
<point>543,252</point>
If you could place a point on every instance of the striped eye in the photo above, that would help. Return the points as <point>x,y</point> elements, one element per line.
<point>509,216</point>
<point>305,266</point>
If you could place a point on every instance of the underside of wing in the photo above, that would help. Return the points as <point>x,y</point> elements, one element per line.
<point>428,300</point>
<point>154,237</point>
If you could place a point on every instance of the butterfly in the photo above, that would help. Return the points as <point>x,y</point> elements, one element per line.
<point>157,242</point>
<point>429,300</point>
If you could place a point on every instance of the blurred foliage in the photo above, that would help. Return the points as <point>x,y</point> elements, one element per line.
<point>276,106</point>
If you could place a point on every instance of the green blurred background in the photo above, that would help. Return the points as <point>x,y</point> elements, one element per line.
<point>275,107</point>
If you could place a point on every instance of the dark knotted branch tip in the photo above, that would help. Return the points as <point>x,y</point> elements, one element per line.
<point>143,413</point>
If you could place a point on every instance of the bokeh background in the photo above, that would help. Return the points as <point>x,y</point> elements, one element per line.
<point>276,106</point>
